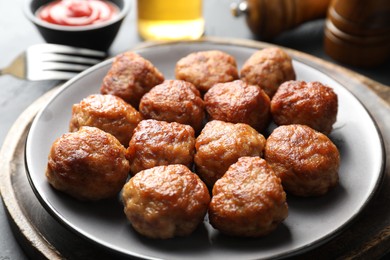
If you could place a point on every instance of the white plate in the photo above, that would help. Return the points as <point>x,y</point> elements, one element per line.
<point>311,221</point>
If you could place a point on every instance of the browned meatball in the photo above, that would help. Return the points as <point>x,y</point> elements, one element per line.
<point>311,103</point>
<point>306,161</point>
<point>107,112</point>
<point>268,68</point>
<point>206,68</point>
<point>174,101</point>
<point>165,201</point>
<point>89,164</point>
<point>130,77</point>
<point>220,144</point>
<point>157,143</point>
<point>238,102</point>
<point>248,200</point>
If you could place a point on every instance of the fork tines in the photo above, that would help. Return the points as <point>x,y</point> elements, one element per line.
<point>60,60</point>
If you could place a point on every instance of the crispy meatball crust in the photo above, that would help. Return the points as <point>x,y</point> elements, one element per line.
<point>107,112</point>
<point>89,164</point>
<point>220,144</point>
<point>268,68</point>
<point>130,77</point>
<point>249,200</point>
<point>238,102</point>
<point>307,103</point>
<point>174,101</point>
<point>306,161</point>
<point>165,201</point>
<point>157,143</point>
<point>206,68</point>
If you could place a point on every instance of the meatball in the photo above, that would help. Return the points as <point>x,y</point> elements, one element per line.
<point>220,144</point>
<point>206,68</point>
<point>107,112</point>
<point>268,68</point>
<point>89,164</point>
<point>249,200</point>
<point>157,143</point>
<point>174,101</point>
<point>306,161</point>
<point>165,201</point>
<point>311,103</point>
<point>238,102</point>
<point>130,77</point>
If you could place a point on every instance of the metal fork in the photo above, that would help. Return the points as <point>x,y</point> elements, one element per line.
<point>52,62</point>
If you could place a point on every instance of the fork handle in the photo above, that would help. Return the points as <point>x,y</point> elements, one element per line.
<point>16,68</point>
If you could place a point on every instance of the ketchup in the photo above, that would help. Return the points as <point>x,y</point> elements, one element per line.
<point>77,12</point>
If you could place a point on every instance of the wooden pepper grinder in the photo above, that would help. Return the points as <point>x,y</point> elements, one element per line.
<point>357,32</point>
<point>268,18</point>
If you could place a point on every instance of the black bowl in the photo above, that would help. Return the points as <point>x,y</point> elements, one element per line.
<point>98,36</point>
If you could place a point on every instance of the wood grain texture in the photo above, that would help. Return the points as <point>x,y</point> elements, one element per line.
<point>368,236</point>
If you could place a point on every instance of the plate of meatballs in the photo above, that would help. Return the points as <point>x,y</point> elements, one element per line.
<point>204,150</point>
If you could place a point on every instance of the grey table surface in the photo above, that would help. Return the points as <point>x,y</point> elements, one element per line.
<point>16,34</point>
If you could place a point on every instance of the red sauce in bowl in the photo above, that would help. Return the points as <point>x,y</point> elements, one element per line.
<point>77,12</point>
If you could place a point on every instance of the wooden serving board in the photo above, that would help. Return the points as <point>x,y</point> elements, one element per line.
<point>42,237</point>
